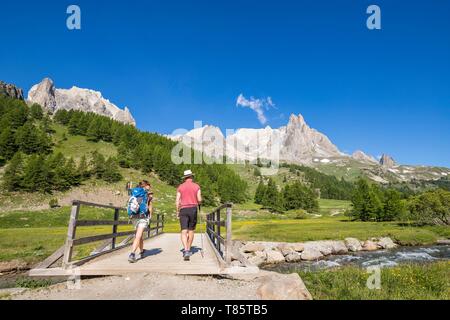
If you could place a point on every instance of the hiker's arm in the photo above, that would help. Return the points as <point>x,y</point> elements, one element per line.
<point>199,196</point>
<point>177,203</point>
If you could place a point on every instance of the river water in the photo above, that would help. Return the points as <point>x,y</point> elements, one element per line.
<point>363,259</point>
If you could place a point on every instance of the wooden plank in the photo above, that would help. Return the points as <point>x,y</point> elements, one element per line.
<point>114,229</point>
<point>87,223</point>
<point>98,205</point>
<point>71,231</point>
<point>219,258</point>
<point>85,240</point>
<point>55,256</point>
<point>228,240</point>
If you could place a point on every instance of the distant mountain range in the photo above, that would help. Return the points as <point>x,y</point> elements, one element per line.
<point>298,143</point>
<point>53,99</point>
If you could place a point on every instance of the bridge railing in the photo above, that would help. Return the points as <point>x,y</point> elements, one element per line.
<point>218,230</point>
<point>111,238</point>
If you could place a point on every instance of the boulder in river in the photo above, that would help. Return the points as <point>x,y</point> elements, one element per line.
<point>274,256</point>
<point>252,247</point>
<point>293,257</point>
<point>353,244</point>
<point>369,245</point>
<point>386,243</point>
<point>311,254</point>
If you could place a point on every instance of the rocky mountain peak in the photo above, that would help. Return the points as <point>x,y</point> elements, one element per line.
<point>387,161</point>
<point>362,157</point>
<point>75,98</point>
<point>43,93</point>
<point>10,91</point>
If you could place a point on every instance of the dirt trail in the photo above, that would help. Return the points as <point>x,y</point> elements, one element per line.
<point>148,287</point>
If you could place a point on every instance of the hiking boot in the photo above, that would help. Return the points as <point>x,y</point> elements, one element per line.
<point>142,253</point>
<point>186,255</point>
<point>132,258</point>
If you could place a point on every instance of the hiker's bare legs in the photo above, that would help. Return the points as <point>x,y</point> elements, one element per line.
<point>190,238</point>
<point>138,241</point>
<point>141,244</point>
<point>185,239</point>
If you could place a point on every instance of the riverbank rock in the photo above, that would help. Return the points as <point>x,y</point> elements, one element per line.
<point>338,247</point>
<point>293,257</point>
<point>283,287</point>
<point>353,244</point>
<point>285,249</point>
<point>443,242</point>
<point>298,247</point>
<point>310,254</point>
<point>251,247</point>
<point>258,258</point>
<point>369,246</point>
<point>274,256</point>
<point>386,243</point>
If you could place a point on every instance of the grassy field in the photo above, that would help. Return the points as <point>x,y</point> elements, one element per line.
<point>32,236</point>
<point>405,282</point>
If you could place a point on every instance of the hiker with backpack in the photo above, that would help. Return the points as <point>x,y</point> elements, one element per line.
<point>187,203</point>
<point>140,209</point>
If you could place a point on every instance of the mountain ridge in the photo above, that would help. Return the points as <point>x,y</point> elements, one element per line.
<point>53,99</point>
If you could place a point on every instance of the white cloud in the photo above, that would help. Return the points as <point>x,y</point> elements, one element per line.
<point>257,105</point>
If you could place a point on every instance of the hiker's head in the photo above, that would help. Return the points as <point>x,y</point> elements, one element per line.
<point>188,175</point>
<point>145,184</point>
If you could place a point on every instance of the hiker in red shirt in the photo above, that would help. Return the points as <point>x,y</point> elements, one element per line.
<point>188,199</point>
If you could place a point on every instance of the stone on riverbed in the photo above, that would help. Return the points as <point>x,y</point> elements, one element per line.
<point>310,254</point>
<point>258,258</point>
<point>353,244</point>
<point>338,247</point>
<point>386,243</point>
<point>299,247</point>
<point>274,256</point>
<point>252,247</point>
<point>293,257</point>
<point>369,246</point>
<point>285,248</point>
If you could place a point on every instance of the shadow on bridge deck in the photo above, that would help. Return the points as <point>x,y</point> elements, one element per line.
<point>163,255</point>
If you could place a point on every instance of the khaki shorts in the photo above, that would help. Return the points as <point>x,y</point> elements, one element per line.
<point>141,222</point>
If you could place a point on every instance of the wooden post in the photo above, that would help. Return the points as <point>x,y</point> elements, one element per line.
<point>218,231</point>
<point>114,230</point>
<point>228,240</point>
<point>157,224</point>
<point>149,233</point>
<point>71,234</point>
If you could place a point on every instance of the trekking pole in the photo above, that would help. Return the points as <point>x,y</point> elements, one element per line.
<point>201,233</point>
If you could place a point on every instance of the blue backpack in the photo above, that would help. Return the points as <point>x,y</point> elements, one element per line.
<point>137,204</point>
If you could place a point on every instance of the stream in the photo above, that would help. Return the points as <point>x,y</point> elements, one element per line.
<point>363,259</point>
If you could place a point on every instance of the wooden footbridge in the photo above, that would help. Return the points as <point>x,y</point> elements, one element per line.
<point>211,251</point>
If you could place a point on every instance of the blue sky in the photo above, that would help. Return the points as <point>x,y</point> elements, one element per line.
<point>173,62</point>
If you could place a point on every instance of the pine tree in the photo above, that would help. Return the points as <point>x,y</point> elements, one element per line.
<point>36,112</point>
<point>98,164</point>
<point>7,143</point>
<point>366,202</point>
<point>273,199</point>
<point>27,139</point>
<point>83,168</point>
<point>260,191</point>
<point>37,175</point>
<point>111,173</point>
<point>392,205</point>
<point>12,178</point>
